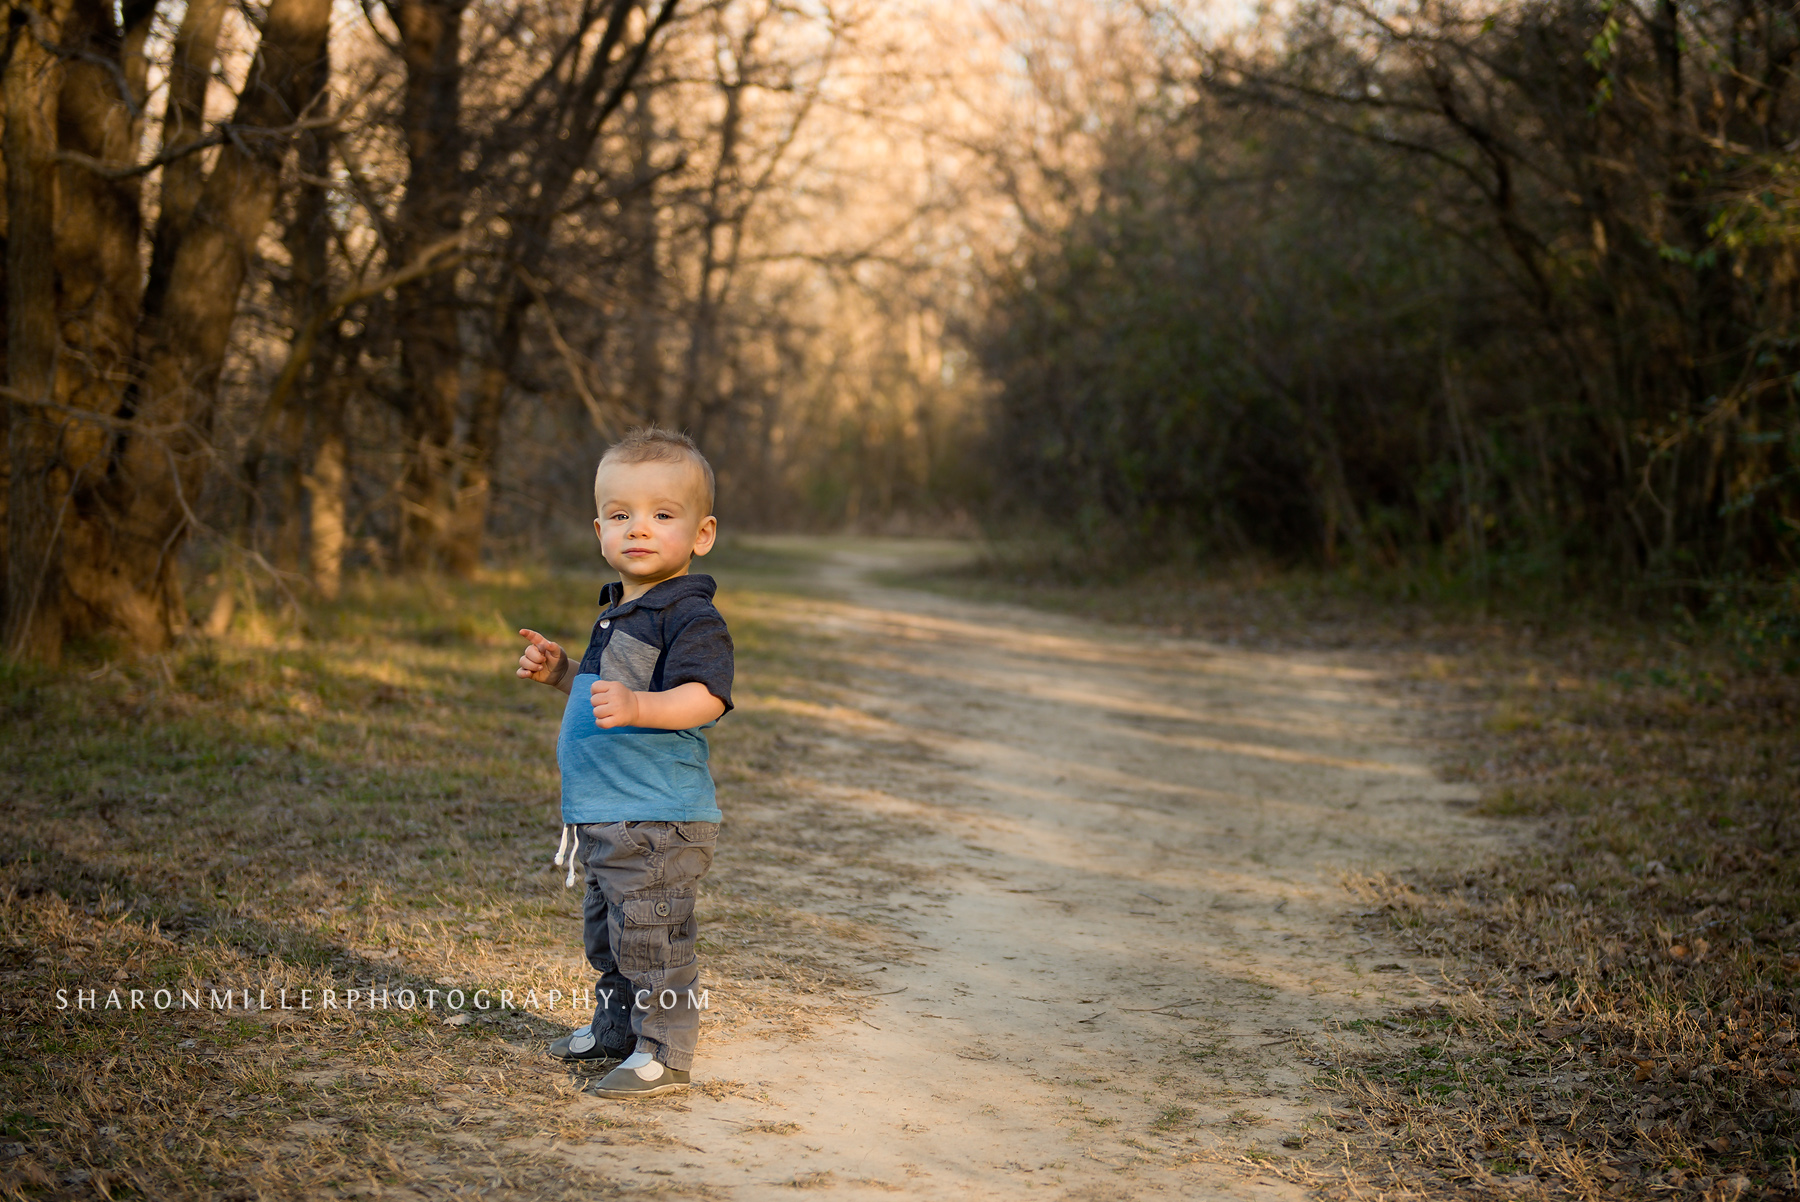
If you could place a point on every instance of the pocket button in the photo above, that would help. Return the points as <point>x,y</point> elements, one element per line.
<point>662,909</point>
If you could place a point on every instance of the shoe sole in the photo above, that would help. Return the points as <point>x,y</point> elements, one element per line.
<point>629,1095</point>
<point>594,1055</point>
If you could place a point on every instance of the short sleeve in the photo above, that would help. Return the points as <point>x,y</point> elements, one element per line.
<point>700,650</point>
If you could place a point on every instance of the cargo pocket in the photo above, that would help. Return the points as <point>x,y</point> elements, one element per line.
<point>658,933</point>
<point>689,853</point>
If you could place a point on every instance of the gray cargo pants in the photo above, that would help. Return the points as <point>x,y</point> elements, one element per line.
<point>639,925</point>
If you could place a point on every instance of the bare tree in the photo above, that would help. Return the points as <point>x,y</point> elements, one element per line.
<point>111,384</point>
<point>427,313</point>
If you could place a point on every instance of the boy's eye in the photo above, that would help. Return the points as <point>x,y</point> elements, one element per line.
<point>665,517</point>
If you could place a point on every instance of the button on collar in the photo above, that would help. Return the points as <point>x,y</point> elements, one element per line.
<point>605,622</point>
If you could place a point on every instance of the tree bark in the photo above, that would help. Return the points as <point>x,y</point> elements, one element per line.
<point>278,449</point>
<point>105,502</point>
<point>637,215</point>
<point>699,367</point>
<point>474,497</point>
<point>322,397</point>
<point>426,313</point>
<point>184,120</point>
<point>326,486</point>
<point>99,222</point>
<point>38,481</point>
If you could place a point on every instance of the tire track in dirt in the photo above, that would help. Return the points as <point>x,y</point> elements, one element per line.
<point>1124,900</point>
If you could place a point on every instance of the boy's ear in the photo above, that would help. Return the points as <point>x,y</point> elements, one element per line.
<point>705,535</point>
<point>597,533</point>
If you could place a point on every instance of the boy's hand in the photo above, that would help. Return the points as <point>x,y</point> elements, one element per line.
<point>543,661</point>
<point>614,705</point>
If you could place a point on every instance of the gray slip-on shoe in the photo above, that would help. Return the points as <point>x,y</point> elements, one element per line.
<point>580,1047</point>
<point>624,1084</point>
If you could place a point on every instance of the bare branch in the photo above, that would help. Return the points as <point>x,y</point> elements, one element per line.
<point>225,131</point>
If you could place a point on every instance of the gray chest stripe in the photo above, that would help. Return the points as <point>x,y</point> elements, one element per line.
<point>631,662</point>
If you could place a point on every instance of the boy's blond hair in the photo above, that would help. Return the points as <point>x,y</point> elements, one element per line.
<point>654,444</point>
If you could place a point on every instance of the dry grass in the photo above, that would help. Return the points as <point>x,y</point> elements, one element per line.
<point>1629,1025</point>
<point>367,800</point>
<point>1627,1020</point>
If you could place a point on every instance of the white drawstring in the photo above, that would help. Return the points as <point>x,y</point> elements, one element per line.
<point>573,850</point>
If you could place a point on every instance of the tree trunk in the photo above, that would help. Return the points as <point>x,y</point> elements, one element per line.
<point>99,222</point>
<point>104,503</point>
<point>426,312</point>
<point>190,71</point>
<point>474,497</point>
<point>308,297</point>
<point>38,481</point>
<point>326,485</point>
<point>637,214</point>
<point>699,368</point>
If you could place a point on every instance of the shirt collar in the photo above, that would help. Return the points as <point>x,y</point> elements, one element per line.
<point>659,596</point>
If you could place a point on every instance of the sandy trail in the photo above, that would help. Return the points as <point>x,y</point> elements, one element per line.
<point>1128,896</point>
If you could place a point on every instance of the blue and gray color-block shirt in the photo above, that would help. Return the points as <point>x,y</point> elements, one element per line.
<point>669,636</point>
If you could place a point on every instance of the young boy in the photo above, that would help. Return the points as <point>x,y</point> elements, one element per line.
<point>636,792</point>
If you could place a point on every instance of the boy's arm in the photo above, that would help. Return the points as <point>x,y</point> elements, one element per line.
<point>545,662</point>
<point>681,708</point>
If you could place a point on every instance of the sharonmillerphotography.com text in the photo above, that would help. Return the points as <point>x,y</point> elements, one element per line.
<point>372,998</point>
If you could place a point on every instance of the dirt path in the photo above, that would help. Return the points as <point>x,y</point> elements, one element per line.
<point>1124,894</point>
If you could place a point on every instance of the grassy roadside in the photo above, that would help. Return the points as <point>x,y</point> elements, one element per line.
<point>1626,1026</point>
<point>364,799</point>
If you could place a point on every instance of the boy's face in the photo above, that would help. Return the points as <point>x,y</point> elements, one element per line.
<point>652,521</point>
